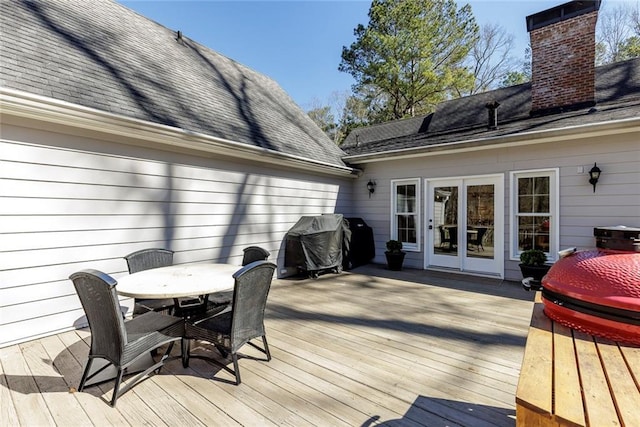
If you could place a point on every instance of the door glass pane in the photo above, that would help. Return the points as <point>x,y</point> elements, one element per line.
<point>480,221</point>
<point>445,219</point>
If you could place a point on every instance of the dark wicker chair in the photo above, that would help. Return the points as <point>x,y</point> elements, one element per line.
<point>147,259</point>
<point>254,253</point>
<point>120,342</point>
<point>443,236</point>
<point>231,330</point>
<point>251,254</point>
<point>448,235</point>
<point>478,238</point>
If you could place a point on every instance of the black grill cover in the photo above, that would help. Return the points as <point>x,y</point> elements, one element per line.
<point>362,247</point>
<point>315,243</point>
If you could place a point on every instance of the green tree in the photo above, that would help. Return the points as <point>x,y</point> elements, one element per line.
<point>618,34</point>
<point>354,115</point>
<point>513,78</point>
<point>325,120</point>
<point>410,56</point>
<point>516,77</point>
<point>630,48</point>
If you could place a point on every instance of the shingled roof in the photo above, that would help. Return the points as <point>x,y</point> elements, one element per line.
<point>100,54</point>
<point>465,119</point>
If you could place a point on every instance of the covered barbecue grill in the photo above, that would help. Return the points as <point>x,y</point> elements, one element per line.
<point>361,249</point>
<point>316,244</point>
<point>598,291</point>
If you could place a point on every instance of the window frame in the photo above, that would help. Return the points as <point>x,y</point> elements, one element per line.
<point>554,211</point>
<point>410,247</point>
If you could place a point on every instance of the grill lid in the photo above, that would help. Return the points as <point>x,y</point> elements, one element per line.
<point>596,291</point>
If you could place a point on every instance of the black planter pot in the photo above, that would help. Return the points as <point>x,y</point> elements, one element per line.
<point>535,271</point>
<point>395,260</point>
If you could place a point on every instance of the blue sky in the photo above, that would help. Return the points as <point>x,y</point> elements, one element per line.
<point>297,42</point>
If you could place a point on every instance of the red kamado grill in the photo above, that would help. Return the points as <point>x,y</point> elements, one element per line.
<point>598,291</point>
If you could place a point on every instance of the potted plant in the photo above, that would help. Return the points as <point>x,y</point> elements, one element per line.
<point>533,264</point>
<point>395,255</point>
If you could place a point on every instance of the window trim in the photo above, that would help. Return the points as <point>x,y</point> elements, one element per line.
<point>394,224</point>
<point>554,210</point>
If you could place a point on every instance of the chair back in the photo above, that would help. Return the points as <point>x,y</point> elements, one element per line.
<point>252,284</point>
<point>254,253</point>
<point>443,234</point>
<point>97,293</point>
<point>481,232</point>
<point>453,236</point>
<point>147,259</point>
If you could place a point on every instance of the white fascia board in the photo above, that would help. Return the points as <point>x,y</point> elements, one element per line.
<point>521,139</point>
<point>29,106</point>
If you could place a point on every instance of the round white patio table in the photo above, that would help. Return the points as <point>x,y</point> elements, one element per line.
<point>174,281</point>
<point>179,280</point>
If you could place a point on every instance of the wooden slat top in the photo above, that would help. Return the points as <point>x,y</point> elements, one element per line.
<point>594,381</point>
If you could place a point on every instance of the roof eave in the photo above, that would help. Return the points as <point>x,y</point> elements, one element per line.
<point>29,106</point>
<point>612,127</point>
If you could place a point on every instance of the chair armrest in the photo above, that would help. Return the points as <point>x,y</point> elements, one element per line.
<point>214,312</point>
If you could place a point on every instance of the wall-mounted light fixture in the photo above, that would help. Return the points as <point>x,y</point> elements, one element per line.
<point>371,187</point>
<point>594,175</point>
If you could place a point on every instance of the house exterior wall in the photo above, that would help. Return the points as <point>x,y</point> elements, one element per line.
<point>615,202</point>
<point>70,202</point>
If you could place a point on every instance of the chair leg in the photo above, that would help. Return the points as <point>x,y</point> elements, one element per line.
<point>236,367</point>
<point>165,356</point>
<point>266,347</point>
<point>116,387</point>
<point>85,374</point>
<point>222,350</point>
<point>186,348</point>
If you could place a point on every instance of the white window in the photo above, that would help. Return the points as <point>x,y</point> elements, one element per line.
<point>534,212</point>
<point>404,212</point>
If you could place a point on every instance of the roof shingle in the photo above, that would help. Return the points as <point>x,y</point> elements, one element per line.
<point>105,56</point>
<point>463,119</point>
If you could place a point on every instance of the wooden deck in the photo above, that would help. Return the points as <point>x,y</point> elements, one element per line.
<point>362,348</point>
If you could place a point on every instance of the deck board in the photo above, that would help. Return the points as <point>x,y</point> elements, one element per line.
<point>366,347</point>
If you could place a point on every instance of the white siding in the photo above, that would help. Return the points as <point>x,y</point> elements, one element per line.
<point>615,202</point>
<point>69,203</point>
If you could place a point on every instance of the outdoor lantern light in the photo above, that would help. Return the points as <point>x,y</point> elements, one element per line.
<point>594,175</point>
<point>371,186</point>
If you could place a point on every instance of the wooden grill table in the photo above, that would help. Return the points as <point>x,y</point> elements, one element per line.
<point>570,378</point>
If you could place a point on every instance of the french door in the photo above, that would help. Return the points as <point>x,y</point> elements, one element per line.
<point>465,224</point>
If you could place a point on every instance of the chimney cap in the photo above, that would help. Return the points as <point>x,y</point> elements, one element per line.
<point>492,105</point>
<point>561,13</point>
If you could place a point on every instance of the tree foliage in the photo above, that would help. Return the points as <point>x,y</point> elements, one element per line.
<point>630,48</point>
<point>414,54</point>
<point>618,35</point>
<point>354,115</point>
<point>410,56</point>
<point>323,117</point>
<point>518,76</point>
<point>490,59</point>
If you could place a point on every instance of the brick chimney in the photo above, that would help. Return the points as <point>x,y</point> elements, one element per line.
<point>563,50</point>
